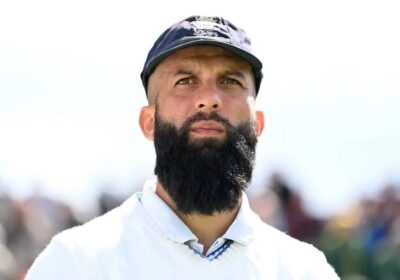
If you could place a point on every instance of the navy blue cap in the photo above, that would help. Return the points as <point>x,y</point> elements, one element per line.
<point>201,30</point>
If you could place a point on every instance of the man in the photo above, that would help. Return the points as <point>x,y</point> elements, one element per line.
<point>194,222</point>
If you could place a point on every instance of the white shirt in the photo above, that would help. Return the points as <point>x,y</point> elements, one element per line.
<point>144,240</point>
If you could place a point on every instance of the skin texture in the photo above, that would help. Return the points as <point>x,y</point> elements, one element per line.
<point>201,79</point>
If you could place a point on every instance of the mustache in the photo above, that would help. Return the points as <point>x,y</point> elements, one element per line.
<point>202,116</point>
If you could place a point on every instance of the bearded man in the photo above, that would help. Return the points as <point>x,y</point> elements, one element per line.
<point>194,222</point>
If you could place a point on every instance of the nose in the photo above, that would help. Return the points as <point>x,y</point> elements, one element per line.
<point>208,98</point>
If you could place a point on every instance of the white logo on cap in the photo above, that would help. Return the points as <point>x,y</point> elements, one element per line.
<point>205,26</point>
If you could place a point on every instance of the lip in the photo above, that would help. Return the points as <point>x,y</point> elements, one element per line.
<point>207,129</point>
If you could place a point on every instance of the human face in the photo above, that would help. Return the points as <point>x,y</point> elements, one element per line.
<point>203,79</point>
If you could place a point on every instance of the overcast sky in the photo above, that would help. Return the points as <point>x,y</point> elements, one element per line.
<point>70,94</point>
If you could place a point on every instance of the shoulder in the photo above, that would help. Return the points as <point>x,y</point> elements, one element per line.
<point>293,257</point>
<point>103,231</point>
<point>277,240</point>
<point>83,245</point>
<point>265,238</point>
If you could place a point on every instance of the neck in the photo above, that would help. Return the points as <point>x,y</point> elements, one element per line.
<point>207,228</point>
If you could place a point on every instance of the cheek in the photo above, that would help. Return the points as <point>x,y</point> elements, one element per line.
<point>241,112</point>
<point>174,111</point>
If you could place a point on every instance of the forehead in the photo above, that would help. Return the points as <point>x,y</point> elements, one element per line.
<point>208,54</point>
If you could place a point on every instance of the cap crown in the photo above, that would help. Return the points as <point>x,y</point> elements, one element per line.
<point>202,30</point>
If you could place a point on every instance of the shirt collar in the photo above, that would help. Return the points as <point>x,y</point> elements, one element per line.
<point>242,229</point>
<point>164,216</point>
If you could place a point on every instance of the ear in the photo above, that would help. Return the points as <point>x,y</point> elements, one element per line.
<point>260,122</point>
<point>146,121</point>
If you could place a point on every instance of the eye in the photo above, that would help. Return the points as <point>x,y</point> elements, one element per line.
<point>231,81</point>
<point>185,81</point>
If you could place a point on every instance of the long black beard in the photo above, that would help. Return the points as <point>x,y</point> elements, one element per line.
<point>204,176</point>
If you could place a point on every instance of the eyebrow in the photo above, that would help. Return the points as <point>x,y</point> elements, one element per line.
<point>235,73</point>
<point>230,72</point>
<point>183,72</point>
